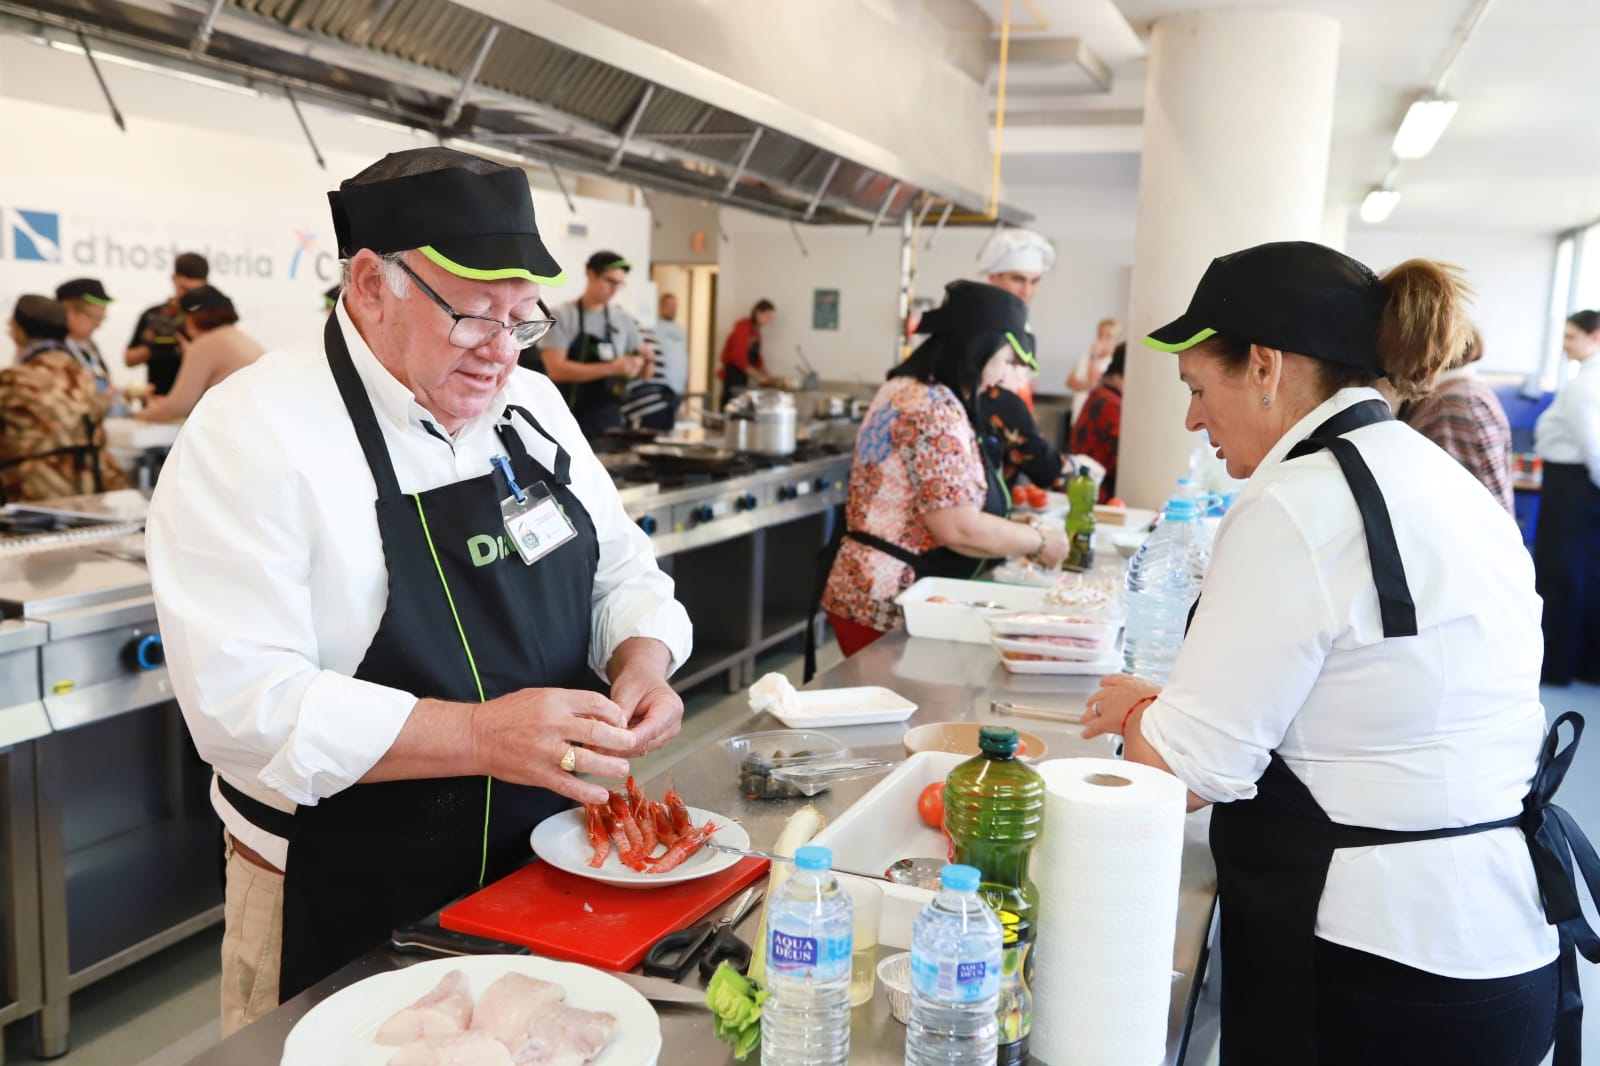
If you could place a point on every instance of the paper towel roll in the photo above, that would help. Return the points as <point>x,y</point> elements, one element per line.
<point>1107,870</point>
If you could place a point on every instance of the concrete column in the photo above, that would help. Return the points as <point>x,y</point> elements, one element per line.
<point>1238,117</point>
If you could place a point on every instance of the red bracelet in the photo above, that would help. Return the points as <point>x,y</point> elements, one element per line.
<point>1127,717</point>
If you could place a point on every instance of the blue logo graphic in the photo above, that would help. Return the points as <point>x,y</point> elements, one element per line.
<point>36,235</point>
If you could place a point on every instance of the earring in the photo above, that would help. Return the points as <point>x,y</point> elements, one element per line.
<point>1266,401</point>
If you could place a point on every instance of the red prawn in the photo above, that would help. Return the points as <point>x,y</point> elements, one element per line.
<point>643,817</point>
<point>619,821</point>
<point>687,845</point>
<point>682,821</point>
<point>599,837</point>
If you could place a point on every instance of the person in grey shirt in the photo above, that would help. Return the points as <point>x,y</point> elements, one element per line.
<point>595,348</point>
<point>672,346</point>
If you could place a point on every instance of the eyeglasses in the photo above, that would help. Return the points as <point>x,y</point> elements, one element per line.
<point>474,331</point>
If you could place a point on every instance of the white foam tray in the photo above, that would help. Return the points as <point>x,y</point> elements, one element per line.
<point>955,621</point>
<point>833,707</point>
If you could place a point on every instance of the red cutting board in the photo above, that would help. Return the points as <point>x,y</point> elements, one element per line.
<point>543,907</point>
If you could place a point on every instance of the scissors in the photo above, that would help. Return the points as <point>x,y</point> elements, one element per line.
<point>710,942</point>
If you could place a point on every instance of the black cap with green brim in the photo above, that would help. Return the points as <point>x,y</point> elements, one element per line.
<point>972,307</point>
<point>600,262</point>
<point>1294,296</point>
<point>89,290</point>
<point>467,215</point>
<point>331,297</point>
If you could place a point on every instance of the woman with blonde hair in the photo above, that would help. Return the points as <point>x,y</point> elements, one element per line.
<point>1358,691</point>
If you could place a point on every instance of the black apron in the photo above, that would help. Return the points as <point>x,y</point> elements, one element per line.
<point>1273,852</point>
<point>1566,555</point>
<point>466,621</point>
<point>597,405</point>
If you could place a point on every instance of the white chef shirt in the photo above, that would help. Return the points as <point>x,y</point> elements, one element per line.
<point>270,580</point>
<point>1569,429</point>
<point>1438,730</point>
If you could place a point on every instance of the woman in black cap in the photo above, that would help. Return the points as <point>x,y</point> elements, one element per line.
<point>219,349</point>
<point>925,497</point>
<point>1358,691</point>
<point>51,440</point>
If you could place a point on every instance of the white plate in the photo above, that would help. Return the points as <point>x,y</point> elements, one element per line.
<point>562,840</point>
<point>829,707</point>
<point>1053,651</point>
<point>339,1030</point>
<point>1048,624</point>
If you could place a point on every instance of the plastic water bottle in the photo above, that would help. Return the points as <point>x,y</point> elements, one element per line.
<point>1163,581</point>
<point>806,1022</point>
<point>955,976</point>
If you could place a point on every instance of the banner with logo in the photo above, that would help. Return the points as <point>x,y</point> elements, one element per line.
<point>256,211</point>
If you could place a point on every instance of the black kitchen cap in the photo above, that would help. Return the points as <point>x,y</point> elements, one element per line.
<point>1295,296</point>
<point>973,307</point>
<point>41,318</point>
<point>204,298</point>
<point>87,289</point>
<point>469,216</point>
<point>600,262</point>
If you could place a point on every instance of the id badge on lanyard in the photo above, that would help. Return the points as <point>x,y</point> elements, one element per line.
<point>534,520</point>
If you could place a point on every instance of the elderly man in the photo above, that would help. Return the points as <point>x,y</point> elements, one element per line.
<point>388,573</point>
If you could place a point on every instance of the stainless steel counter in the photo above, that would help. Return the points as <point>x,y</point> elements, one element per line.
<point>948,682</point>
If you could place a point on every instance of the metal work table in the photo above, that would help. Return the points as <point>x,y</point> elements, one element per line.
<point>948,682</point>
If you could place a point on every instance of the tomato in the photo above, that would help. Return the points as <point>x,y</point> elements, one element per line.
<point>930,804</point>
<point>1019,495</point>
<point>1038,498</point>
<point>1116,501</point>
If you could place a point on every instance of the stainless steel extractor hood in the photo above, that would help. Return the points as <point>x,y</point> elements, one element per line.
<point>437,65</point>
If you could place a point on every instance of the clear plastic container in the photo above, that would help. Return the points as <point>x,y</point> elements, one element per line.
<point>754,756</point>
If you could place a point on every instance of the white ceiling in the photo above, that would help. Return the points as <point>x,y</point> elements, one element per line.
<point>1523,154</point>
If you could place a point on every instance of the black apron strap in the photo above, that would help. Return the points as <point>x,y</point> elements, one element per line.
<point>563,467</point>
<point>1395,606</point>
<point>354,394</point>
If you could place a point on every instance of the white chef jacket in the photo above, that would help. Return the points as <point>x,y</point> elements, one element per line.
<point>1569,429</point>
<point>270,580</point>
<point>1437,730</point>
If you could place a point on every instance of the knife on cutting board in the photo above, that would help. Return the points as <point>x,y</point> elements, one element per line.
<point>429,939</point>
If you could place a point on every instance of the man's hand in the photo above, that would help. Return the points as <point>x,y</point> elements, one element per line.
<point>638,672</point>
<point>522,737</point>
<point>628,366</point>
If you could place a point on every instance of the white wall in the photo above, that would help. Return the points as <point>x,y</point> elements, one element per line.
<point>1092,228</point>
<point>203,169</point>
<point>1510,276</point>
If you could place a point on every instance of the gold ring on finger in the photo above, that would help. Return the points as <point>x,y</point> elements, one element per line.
<point>569,759</point>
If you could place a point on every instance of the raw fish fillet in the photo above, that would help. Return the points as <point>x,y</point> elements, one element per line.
<point>471,1048</point>
<point>508,1005</point>
<point>445,1010</point>
<point>560,1035</point>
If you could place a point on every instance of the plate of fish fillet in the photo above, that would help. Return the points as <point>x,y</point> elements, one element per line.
<point>583,843</point>
<point>481,1010</point>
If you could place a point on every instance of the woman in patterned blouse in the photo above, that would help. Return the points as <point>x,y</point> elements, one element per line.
<point>1464,417</point>
<point>924,499</point>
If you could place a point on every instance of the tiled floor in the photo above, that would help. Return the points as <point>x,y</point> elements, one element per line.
<point>164,1011</point>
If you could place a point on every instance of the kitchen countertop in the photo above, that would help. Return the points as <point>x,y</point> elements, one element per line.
<point>948,682</point>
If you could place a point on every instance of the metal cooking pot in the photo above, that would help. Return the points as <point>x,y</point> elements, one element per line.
<point>762,422</point>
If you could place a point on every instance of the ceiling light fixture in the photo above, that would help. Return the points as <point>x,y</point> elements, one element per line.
<point>1424,123</point>
<point>1379,204</point>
